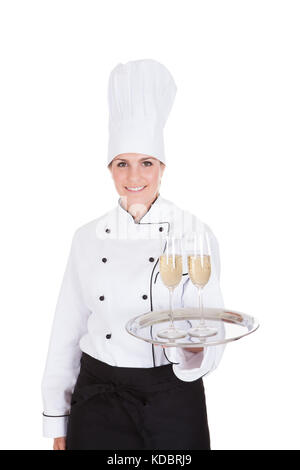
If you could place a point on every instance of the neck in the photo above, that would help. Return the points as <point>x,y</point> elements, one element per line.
<point>138,210</point>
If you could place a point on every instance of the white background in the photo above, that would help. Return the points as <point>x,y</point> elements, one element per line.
<point>232,146</point>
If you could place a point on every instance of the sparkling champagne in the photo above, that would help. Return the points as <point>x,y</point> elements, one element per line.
<point>171,269</point>
<point>199,269</point>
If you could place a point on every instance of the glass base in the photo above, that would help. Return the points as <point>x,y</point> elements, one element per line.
<point>171,333</point>
<point>202,331</point>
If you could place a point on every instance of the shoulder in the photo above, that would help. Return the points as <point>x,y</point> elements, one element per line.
<point>88,231</point>
<point>189,221</point>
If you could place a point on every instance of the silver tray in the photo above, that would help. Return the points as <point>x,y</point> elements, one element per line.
<point>231,325</point>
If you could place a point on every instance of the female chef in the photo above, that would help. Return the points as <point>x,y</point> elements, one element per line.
<point>103,388</point>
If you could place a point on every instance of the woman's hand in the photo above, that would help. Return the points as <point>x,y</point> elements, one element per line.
<point>186,349</point>
<point>59,443</point>
<point>194,349</point>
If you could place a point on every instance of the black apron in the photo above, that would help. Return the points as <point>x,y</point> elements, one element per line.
<point>116,408</point>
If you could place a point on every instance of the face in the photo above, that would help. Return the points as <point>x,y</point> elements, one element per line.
<point>135,170</point>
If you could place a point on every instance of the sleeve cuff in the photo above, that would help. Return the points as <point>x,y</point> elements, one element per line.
<point>199,364</point>
<point>191,366</point>
<point>55,425</point>
<point>188,365</point>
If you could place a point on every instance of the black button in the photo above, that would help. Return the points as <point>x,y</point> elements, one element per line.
<point>151,259</point>
<point>104,260</point>
<point>107,230</point>
<point>145,296</point>
<point>108,336</point>
<point>146,403</point>
<point>161,229</point>
<point>102,297</point>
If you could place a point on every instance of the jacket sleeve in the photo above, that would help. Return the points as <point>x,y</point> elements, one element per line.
<point>64,354</point>
<point>188,365</point>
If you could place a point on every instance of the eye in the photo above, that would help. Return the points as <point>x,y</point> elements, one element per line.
<point>121,163</point>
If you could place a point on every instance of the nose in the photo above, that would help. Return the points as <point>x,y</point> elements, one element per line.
<point>134,176</point>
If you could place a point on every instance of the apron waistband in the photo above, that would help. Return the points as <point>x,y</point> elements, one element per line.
<point>141,378</point>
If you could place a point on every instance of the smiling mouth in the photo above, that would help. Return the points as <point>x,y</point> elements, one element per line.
<point>133,190</point>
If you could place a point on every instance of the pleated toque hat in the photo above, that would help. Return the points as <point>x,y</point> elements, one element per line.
<point>141,94</point>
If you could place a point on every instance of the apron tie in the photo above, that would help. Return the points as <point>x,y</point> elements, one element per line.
<point>132,403</point>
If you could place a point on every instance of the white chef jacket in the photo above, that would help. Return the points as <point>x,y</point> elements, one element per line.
<point>112,274</point>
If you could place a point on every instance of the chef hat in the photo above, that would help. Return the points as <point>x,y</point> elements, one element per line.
<point>140,97</point>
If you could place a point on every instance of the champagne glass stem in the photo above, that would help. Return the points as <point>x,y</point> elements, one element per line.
<point>171,306</point>
<point>200,292</point>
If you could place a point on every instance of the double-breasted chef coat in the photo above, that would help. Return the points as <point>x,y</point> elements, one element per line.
<point>112,274</point>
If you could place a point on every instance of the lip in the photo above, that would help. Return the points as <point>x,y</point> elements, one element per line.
<point>131,191</point>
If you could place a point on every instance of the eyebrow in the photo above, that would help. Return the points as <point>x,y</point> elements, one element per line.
<point>141,159</point>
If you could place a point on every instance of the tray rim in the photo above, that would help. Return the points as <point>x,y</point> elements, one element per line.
<point>198,343</point>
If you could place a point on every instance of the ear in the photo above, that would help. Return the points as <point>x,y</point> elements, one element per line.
<point>162,168</point>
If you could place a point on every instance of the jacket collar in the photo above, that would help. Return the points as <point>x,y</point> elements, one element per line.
<point>120,224</point>
<point>154,224</point>
<point>162,218</point>
<point>153,214</point>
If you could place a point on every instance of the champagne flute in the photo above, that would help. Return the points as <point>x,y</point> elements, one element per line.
<point>170,264</point>
<point>199,268</point>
